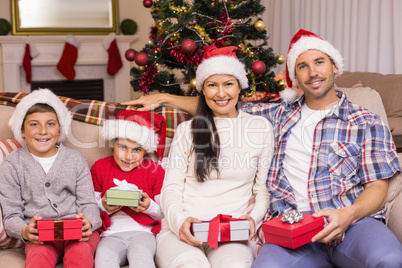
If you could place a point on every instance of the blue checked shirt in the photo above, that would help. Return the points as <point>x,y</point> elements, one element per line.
<point>352,146</point>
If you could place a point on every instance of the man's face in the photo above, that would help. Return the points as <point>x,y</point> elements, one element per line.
<point>315,73</point>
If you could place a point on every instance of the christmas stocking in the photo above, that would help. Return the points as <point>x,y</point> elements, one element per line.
<point>30,53</point>
<point>69,57</point>
<point>114,63</point>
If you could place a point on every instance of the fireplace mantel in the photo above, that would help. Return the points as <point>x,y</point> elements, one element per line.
<point>91,53</point>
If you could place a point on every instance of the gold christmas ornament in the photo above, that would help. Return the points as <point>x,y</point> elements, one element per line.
<point>192,83</point>
<point>280,59</point>
<point>142,68</point>
<point>259,25</point>
<point>281,84</point>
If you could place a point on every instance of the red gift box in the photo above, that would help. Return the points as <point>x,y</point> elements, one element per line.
<point>61,229</point>
<point>292,235</point>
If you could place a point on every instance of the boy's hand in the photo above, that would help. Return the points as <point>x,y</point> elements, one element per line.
<point>86,227</point>
<point>30,232</point>
<point>143,204</point>
<point>109,209</point>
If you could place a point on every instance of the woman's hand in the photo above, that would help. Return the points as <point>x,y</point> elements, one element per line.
<point>30,232</point>
<point>109,209</point>
<point>86,227</point>
<point>143,204</point>
<point>252,224</point>
<point>148,102</point>
<point>185,233</point>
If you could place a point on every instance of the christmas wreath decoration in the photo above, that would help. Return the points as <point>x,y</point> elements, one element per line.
<point>5,27</point>
<point>128,27</point>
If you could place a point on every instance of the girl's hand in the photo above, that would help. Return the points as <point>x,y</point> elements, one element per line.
<point>185,233</point>
<point>252,224</point>
<point>143,204</point>
<point>109,209</point>
<point>30,232</point>
<point>86,227</point>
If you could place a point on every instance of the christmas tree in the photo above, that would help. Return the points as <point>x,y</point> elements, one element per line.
<point>181,31</point>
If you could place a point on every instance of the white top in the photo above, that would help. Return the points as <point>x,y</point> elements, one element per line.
<point>246,150</point>
<point>298,154</point>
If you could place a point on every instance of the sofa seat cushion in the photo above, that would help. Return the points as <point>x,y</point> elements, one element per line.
<point>395,123</point>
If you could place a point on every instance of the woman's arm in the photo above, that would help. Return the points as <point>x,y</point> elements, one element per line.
<point>151,102</point>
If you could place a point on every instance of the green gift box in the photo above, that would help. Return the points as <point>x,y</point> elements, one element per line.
<point>129,198</point>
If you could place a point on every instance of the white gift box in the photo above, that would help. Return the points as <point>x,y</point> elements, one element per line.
<point>239,231</point>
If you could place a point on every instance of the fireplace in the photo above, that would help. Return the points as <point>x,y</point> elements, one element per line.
<point>91,63</point>
<point>78,89</point>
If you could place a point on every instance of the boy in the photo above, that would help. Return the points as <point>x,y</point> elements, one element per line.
<point>46,179</point>
<point>129,232</point>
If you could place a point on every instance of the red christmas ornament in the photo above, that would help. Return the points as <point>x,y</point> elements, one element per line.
<point>258,67</point>
<point>130,54</point>
<point>188,46</point>
<point>141,59</point>
<point>148,3</point>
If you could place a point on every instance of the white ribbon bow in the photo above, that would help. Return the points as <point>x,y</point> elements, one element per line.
<point>124,185</point>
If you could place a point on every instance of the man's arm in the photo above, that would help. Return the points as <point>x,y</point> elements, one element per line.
<point>370,201</point>
<point>151,102</point>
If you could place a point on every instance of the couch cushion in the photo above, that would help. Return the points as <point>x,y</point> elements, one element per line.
<point>388,86</point>
<point>367,98</point>
<point>7,146</point>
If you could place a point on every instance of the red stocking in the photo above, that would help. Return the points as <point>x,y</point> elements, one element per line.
<point>114,63</point>
<point>69,57</point>
<point>30,53</point>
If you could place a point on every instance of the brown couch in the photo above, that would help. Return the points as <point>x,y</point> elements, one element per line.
<point>391,94</point>
<point>86,139</point>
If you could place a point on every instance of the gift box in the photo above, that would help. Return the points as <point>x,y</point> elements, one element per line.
<point>292,235</point>
<point>59,229</point>
<point>129,198</point>
<point>227,229</point>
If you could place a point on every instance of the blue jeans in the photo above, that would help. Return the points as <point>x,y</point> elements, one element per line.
<point>367,243</point>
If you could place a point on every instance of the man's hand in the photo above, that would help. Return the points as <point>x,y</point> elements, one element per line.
<point>148,102</point>
<point>30,232</point>
<point>252,224</point>
<point>109,209</point>
<point>339,221</point>
<point>143,204</point>
<point>86,227</point>
<point>185,234</point>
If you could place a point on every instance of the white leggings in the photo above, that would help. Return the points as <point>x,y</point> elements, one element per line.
<point>138,248</point>
<point>171,252</point>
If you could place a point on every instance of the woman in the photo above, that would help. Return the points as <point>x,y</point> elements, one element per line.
<point>217,163</point>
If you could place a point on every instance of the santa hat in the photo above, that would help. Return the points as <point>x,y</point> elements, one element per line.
<point>301,42</point>
<point>146,128</point>
<point>220,61</point>
<point>40,96</point>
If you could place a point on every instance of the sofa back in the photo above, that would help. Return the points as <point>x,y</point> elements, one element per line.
<point>387,85</point>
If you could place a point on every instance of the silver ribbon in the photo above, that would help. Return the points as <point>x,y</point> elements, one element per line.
<point>292,216</point>
<point>124,185</point>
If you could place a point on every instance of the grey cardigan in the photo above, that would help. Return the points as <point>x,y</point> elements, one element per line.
<point>26,190</point>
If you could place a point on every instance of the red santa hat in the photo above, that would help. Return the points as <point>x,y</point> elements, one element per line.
<point>301,42</point>
<point>220,61</point>
<point>40,96</point>
<point>146,128</point>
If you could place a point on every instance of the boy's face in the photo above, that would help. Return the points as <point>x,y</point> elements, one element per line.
<point>41,132</point>
<point>128,154</point>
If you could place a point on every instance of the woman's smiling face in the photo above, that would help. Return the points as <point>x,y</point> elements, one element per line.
<point>221,94</point>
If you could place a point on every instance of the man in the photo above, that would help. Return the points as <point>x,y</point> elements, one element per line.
<point>332,159</point>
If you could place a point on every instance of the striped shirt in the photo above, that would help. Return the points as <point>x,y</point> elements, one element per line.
<point>351,146</point>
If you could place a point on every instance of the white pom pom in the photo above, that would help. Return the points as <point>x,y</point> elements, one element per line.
<point>288,95</point>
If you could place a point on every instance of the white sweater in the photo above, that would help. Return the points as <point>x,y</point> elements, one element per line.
<point>247,146</point>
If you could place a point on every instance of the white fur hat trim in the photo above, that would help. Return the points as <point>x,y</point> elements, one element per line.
<point>308,43</point>
<point>44,96</point>
<point>221,65</point>
<point>123,129</point>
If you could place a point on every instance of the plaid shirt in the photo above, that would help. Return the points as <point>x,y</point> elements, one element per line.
<point>352,146</point>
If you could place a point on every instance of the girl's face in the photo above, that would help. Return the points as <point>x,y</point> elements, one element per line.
<point>41,132</point>
<point>128,154</point>
<point>221,95</point>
